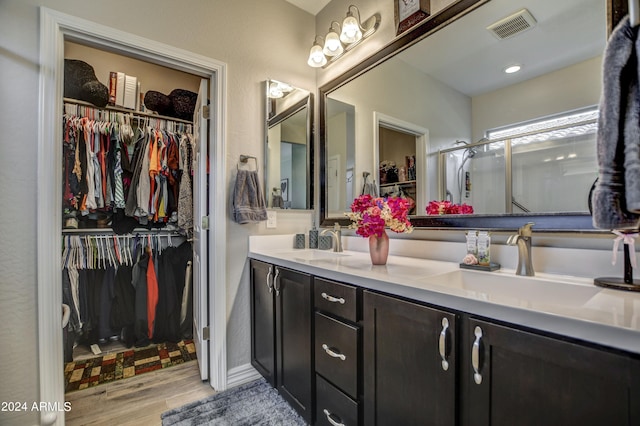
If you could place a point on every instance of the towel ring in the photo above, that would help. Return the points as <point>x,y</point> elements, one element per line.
<point>245,159</point>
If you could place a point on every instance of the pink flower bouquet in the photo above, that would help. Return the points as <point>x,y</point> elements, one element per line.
<point>447,207</point>
<point>371,215</point>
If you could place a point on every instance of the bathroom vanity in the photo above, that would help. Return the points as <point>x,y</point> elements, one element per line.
<point>421,342</point>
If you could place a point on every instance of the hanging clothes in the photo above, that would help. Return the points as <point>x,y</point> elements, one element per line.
<point>139,280</point>
<point>109,165</point>
<point>123,313</point>
<point>152,293</point>
<point>185,194</point>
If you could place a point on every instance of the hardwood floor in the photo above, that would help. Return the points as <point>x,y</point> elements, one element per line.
<point>137,401</point>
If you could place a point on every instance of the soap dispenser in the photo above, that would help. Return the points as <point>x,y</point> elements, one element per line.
<point>313,236</point>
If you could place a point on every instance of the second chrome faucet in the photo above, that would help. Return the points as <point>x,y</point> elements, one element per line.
<point>523,241</point>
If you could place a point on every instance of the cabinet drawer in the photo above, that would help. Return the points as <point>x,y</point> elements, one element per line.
<point>335,405</point>
<point>337,353</point>
<point>336,298</point>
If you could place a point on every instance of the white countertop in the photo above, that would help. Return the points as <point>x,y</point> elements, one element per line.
<point>562,305</point>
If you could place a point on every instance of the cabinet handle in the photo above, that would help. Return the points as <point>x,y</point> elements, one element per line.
<point>332,353</point>
<point>442,346</point>
<point>333,299</point>
<point>475,355</point>
<point>269,283</point>
<point>333,422</point>
<point>276,283</point>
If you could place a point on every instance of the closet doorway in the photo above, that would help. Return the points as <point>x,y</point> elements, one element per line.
<point>400,159</point>
<point>56,28</point>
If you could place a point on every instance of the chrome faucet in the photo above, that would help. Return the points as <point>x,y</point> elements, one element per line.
<point>336,233</point>
<point>523,240</point>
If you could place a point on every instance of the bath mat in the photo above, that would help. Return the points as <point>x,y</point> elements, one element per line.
<point>251,404</point>
<point>104,369</point>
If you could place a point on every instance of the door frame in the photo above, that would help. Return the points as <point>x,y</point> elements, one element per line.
<point>422,142</point>
<point>55,27</point>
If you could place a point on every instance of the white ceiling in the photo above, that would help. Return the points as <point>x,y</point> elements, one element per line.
<point>311,6</point>
<point>467,57</point>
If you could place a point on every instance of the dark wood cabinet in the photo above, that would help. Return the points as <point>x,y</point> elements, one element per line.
<point>409,363</point>
<point>263,308</point>
<point>510,376</point>
<point>365,358</point>
<point>286,294</point>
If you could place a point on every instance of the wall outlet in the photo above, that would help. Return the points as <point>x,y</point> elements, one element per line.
<point>271,219</point>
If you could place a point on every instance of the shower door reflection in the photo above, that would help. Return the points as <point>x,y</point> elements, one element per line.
<point>546,165</point>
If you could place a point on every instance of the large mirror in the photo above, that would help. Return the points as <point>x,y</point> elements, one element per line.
<point>448,94</point>
<point>288,146</point>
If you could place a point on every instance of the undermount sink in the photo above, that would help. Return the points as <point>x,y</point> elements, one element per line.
<point>502,288</point>
<point>311,255</point>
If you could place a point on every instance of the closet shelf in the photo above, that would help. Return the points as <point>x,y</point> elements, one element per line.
<point>125,111</point>
<point>406,182</point>
<point>109,231</point>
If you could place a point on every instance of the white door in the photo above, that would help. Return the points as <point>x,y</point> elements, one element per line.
<point>333,185</point>
<point>200,233</point>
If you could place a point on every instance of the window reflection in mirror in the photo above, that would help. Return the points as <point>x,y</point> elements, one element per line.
<point>288,146</point>
<point>452,83</point>
<point>546,164</point>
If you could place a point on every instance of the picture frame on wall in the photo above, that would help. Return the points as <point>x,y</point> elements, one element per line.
<point>410,12</point>
<point>284,189</point>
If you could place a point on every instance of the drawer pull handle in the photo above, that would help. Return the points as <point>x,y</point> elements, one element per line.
<point>276,282</point>
<point>333,422</point>
<point>475,355</point>
<point>442,346</point>
<point>269,283</point>
<point>333,299</point>
<point>331,353</point>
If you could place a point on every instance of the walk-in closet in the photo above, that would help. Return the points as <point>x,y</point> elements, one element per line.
<point>127,254</point>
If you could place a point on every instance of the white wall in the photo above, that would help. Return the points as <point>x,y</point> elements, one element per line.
<point>258,39</point>
<point>398,90</point>
<point>573,87</point>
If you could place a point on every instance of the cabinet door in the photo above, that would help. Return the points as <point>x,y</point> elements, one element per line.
<point>405,380</point>
<point>263,352</point>
<point>293,338</point>
<point>516,377</point>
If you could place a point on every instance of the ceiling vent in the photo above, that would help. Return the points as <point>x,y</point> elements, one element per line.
<point>511,25</point>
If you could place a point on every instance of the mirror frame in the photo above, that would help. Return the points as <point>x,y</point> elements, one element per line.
<point>546,222</point>
<point>308,103</point>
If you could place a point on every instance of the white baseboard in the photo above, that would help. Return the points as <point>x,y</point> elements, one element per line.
<point>241,374</point>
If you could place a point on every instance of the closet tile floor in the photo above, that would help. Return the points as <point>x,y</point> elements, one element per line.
<point>137,401</point>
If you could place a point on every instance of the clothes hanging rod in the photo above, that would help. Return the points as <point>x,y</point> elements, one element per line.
<point>634,12</point>
<point>133,113</point>
<point>109,231</point>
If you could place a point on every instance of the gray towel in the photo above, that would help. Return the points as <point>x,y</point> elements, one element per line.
<point>618,133</point>
<point>369,187</point>
<point>248,199</point>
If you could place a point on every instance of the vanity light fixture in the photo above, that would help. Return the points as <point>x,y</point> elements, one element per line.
<point>351,33</point>
<point>279,90</point>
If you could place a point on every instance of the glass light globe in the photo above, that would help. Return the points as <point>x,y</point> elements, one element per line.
<point>350,30</point>
<point>332,45</point>
<point>316,57</point>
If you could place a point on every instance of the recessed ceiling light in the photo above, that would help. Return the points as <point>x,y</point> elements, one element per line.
<point>512,68</point>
